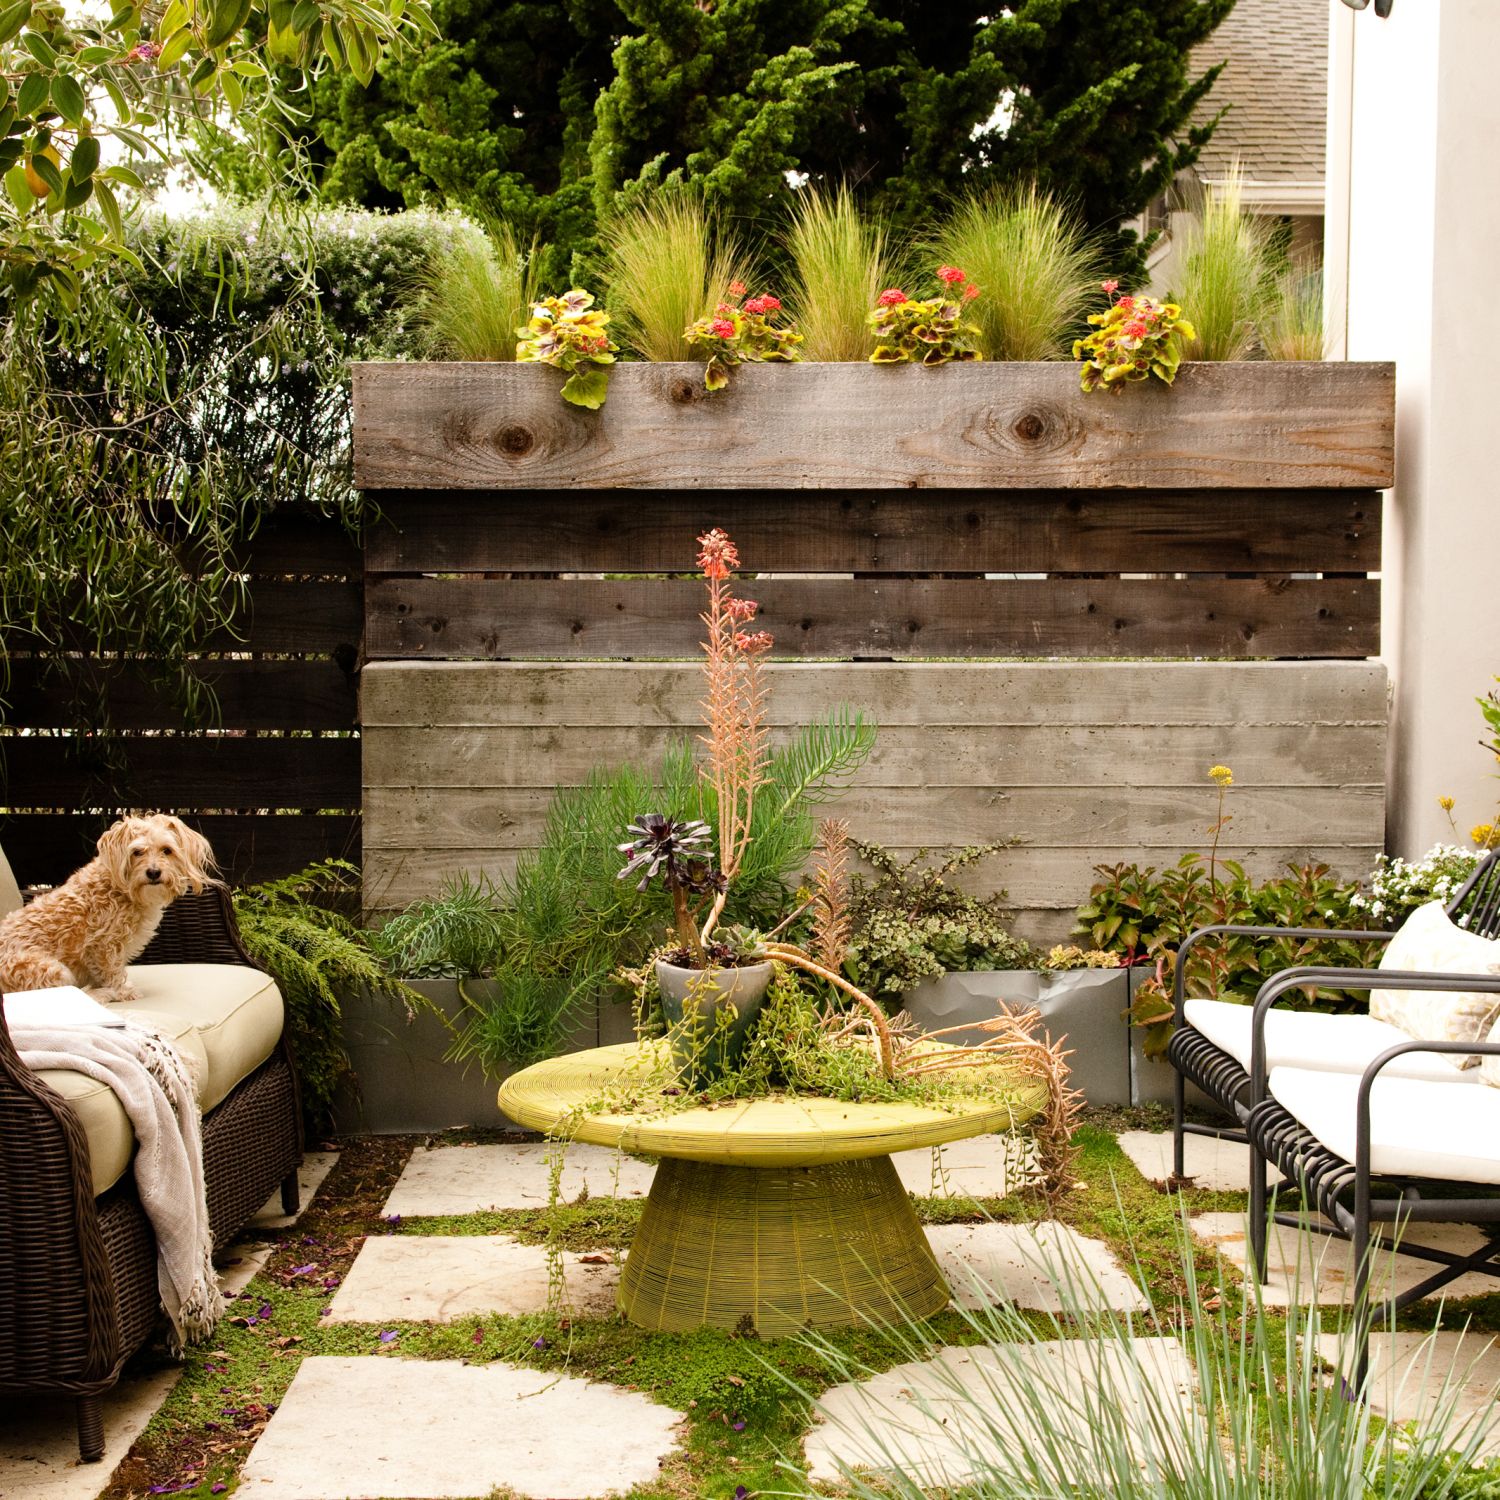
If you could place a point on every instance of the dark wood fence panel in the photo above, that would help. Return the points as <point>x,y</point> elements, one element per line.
<point>274,783</point>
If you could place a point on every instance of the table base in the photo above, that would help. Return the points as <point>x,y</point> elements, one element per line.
<point>778,1249</point>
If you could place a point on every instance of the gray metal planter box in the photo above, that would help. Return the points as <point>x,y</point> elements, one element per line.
<point>1083,1008</point>
<point>406,1082</point>
<point>1151,1077</point>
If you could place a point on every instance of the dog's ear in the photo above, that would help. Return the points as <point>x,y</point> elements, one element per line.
<point>114,847</point>
<point>197,855</point>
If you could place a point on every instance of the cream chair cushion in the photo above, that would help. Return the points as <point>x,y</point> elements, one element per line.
<point>237,1012</point>
<point>105,1123</point>
<point>1430,940</point>
<point>1417,1128</point>
<point>1309,1039</point>
<point>10,892</point>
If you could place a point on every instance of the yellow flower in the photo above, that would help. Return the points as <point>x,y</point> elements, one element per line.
<point>1446,803</point>
<point>1485,835</point>
<point>1222,774</point>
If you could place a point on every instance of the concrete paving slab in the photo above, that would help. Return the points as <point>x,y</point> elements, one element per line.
<point>1031,1265</point>
<point>237,1265</point>
<point>945,1421</point>
<point>425,1278</point>
<point>439,1429</point>
<point>1218,1165</point>
<point>984,1166</point>
<point>316,1165</point>
<point>1321,1268</point>
<point>471,1179</point>
<point>39,1439</point>
<point>1413,1376</point>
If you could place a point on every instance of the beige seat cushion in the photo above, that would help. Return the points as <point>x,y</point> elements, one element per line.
<point>236,1011</point>
<point>98,1107</point>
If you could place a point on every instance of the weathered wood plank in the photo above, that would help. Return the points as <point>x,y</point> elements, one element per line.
<point>906,756</point>
<point>45,848</point>
<point>225,772</point>
<point>306,618</point>
<point>929,695</point>
<point>293,544</point>
<point>1079,817</point>
<point>1040,881</point>
<point>896,618</point>
<point>304,693</point>
<point>912,531</point>
<point>842,426</point>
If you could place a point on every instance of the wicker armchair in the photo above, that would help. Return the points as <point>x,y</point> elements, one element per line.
<point>78,1287</point>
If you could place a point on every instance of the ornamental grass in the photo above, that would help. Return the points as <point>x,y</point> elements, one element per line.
<point>475,293</point>
<point>1291,326</point>
<point>667,265</point>
<point>1225,274</point>
<point>841,260</point>
<point>1034,264</point>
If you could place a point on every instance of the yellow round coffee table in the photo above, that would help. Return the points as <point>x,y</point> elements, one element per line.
<point>776,1214</point>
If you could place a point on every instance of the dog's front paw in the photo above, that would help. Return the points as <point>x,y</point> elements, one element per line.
<point>112,994</point>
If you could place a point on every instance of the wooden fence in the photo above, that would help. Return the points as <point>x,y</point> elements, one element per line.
<point>274,784</point>
<point>933,522</point>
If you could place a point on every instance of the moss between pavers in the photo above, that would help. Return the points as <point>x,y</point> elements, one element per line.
<point>741,1415</point>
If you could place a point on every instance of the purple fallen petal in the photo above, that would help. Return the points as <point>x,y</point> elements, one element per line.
<point>738,1426</point>
<point>387,1337</point>
<point>303,1270</point>
<point>217,1489</point>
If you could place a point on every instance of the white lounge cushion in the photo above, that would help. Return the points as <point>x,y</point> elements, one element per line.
<point>1429,939</point>
<point>1309,1039</point>
<point>1417,1128</point>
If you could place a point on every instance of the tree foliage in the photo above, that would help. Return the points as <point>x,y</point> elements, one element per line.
<point>553,114</point>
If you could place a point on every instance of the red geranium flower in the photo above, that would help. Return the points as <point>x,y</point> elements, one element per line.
<point>736,288</point>
<point>893,297</point>
<point>951,274</point>
<point>1110,286</point>
<point>723,327</point>
<point>756,305</point>
<point>770,303</point>
<point>970,292</point>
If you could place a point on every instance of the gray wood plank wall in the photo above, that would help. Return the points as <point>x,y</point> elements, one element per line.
<point>1085,763</point>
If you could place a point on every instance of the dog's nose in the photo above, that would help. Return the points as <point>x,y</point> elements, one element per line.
<point>153,873</point>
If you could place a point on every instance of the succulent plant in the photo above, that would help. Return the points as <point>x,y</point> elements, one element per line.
<point>680,853</point>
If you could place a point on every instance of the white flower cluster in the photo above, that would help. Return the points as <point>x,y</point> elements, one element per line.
<point>1398,886</point>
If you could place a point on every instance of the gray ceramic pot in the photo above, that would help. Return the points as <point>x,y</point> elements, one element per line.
<point>693,1000</point>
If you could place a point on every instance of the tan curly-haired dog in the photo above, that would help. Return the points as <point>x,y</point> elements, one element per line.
<point>86,930</point>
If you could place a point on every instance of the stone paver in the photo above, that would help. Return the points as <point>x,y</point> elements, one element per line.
<point>1031,1266</point>
<point>435,1429</point>
<point>471,1179</point>
<point>1407,1375</point>
<point>424,1278</point>
<point>1321,1267</point>
<point>921,1418</point>
<point>984,1166</point>
<point>1218,1165</point>
<point>238,1264</point>
<point>39,1439</point>
<point>316,1165</point>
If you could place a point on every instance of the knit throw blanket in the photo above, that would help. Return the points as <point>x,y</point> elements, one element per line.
<point>148,1075</point>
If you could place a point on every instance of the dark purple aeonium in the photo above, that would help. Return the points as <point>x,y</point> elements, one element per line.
<point>680,854</point>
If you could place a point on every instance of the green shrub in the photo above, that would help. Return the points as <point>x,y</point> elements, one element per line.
<point>457,935</point>
<point>910,924</point>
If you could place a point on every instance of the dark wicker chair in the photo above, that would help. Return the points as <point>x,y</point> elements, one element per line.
<point>1222,1077</point>
<point>78,1289</point>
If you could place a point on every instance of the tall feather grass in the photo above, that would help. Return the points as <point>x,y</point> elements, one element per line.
<point>1291,326</point>
<point>841,263</point>
<point>1034,264</point>
<point>475,292</point>
<point>667,264</point>
<point>1208,1400</point>
<point>1225,274</point>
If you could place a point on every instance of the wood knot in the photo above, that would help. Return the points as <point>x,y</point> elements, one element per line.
<point>1030,428</point>
<point>683,391</point>
<point>514,441</point>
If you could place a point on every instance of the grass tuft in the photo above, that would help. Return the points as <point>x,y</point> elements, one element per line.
<point>475,293</point>
<point>841,263</point>
<point>1292,325</point>
<point>1034,264</point>
<point>666,265</point>
<point>1224,274</point>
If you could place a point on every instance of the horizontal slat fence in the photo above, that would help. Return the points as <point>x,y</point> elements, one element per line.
<point>274,783</point>
<point>1060,610</point>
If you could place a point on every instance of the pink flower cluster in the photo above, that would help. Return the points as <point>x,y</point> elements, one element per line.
<point>764,304</point>
<point>719,557</point>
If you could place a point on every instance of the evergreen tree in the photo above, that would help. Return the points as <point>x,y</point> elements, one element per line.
<point>550,113</point>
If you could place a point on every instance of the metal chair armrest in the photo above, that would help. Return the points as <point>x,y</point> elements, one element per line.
<point>1198,935</point>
